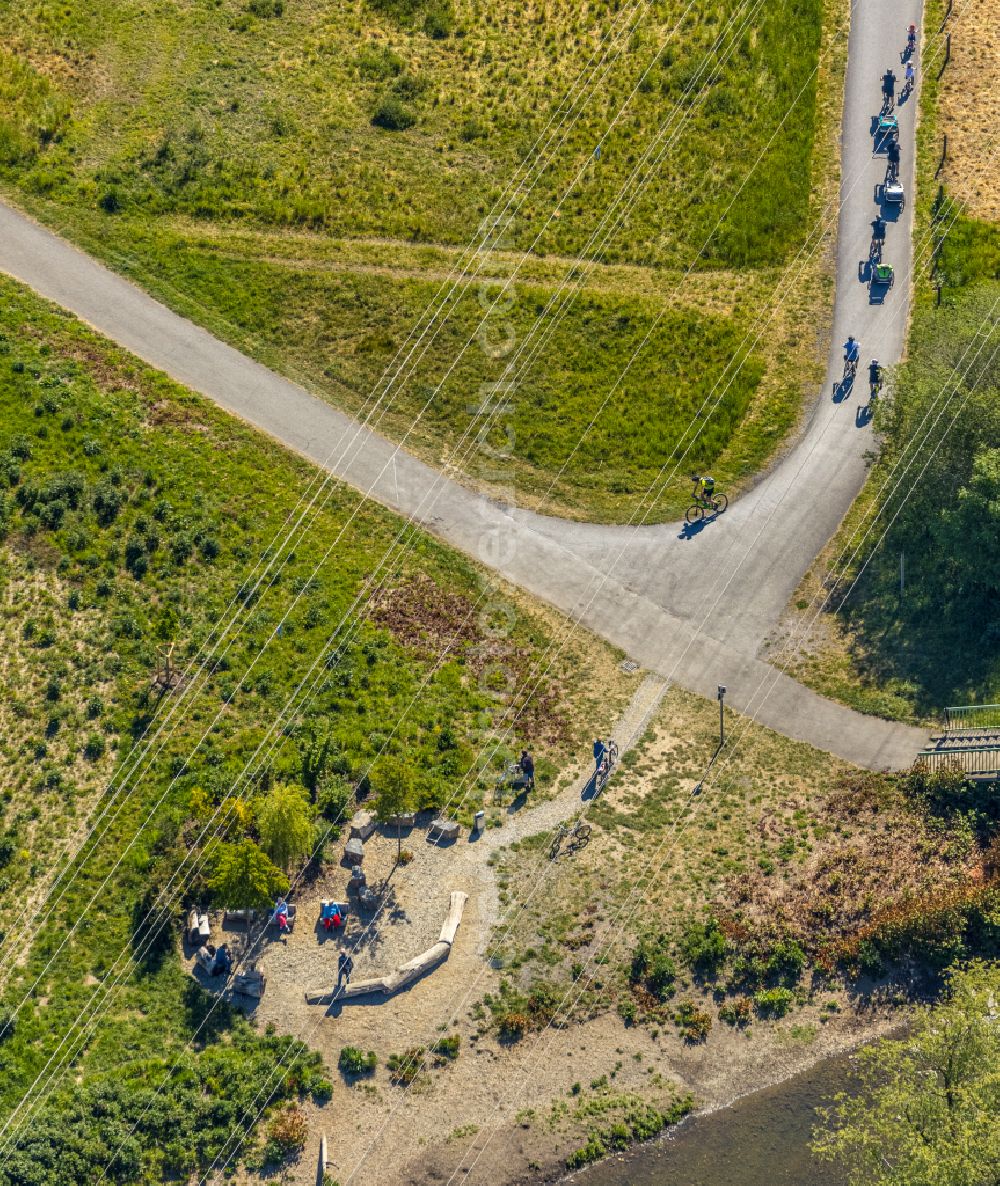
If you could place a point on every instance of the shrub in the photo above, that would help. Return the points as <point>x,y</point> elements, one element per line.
<point>594,1150</point>
<point>627,1012</point>
<point>94,747</point>
<point>378,63</point>
<point>107,502</point>
<point>356,1062</point>
<point>266,8</point>
<point>405,1068</point>
<point>439,23</point>
<point>651,964</point>
<point>512,1026</point>
<point>694,1023</point>
<point>333,800</point>
<point>446,1049</point>
<point>393,115</point>
<point>703,946</point>
<point>8,1023</point>
<point>787,960</point>
<point>738,1012</point>
<point>288,1130</point>
<point>774,1002</point>
<point>110,201</point>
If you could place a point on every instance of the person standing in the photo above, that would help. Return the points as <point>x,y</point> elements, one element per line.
<point>528,770</point>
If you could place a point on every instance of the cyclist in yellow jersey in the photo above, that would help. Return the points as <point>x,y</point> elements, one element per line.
<point>704,488</point>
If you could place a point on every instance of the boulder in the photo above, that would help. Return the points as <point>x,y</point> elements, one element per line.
<point>445,829</point>
<point>406,820</point>
<point>354,851</point>
<point>362,825</point>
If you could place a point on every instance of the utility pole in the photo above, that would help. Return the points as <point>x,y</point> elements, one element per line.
<point>722,715</point>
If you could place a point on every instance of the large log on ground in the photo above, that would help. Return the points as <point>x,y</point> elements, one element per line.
<point>457,905</point>
<point>406,973</point>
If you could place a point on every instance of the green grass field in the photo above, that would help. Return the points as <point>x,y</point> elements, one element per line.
<point>132,513</point>
<point>154,135</point>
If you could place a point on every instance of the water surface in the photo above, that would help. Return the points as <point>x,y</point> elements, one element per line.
<point>762,1140</point>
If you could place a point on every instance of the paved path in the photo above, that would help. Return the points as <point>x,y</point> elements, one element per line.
<point>694,608</point>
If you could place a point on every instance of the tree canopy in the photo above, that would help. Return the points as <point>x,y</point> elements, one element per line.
<point>284,821</point>
<point>244,877</point>
<point>928,1113</point>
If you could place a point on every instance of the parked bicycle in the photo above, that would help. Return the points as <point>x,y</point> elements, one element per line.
<point>575,837</point>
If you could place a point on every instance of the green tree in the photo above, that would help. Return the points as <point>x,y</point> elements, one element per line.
<point>395,792</point>
<point>244,877</point>
<point>284,821</point>
<point>927,1113</point>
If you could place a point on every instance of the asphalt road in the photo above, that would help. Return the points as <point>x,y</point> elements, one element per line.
<point>692,606</point>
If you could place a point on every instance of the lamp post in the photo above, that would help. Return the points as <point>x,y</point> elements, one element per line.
<point>722,715</point>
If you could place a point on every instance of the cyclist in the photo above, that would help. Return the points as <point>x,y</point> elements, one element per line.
<point>911,38</point>
<point>852,350</point>
<point>892,154</point>
<point>909,76</point>
<point>704,488</point>
<point>874,376</point>
<point>600,749</point>
<point>888,87</point>
<point>878,228</point>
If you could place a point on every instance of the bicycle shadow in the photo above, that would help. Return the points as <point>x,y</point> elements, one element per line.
<point>863,416</point>
<point>843,388</point>
<point>690,530</point>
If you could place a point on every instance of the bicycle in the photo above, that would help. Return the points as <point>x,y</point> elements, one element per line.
<point>576,837</point>
<point>716,503</point>
<point>509,776</point>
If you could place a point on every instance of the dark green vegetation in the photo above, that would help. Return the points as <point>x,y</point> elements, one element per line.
<point>941,639</point>
<point>132,515</point>
<point>403,123</point>
<point>120,1126</point>
<point>926,1112</point>
<point>788,885</point>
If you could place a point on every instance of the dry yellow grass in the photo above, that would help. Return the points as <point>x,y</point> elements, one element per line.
<point>969,105</point>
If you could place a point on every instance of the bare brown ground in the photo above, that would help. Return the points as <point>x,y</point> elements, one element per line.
<point>970,107</point>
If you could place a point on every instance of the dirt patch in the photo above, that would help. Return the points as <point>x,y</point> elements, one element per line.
<point>429,620</point>
<point>969,100</point>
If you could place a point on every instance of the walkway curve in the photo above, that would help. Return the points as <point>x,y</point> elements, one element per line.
<point>692,608</point>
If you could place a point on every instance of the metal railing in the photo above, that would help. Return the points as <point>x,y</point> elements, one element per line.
<point>985,760</point>
<point>972,716</point>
